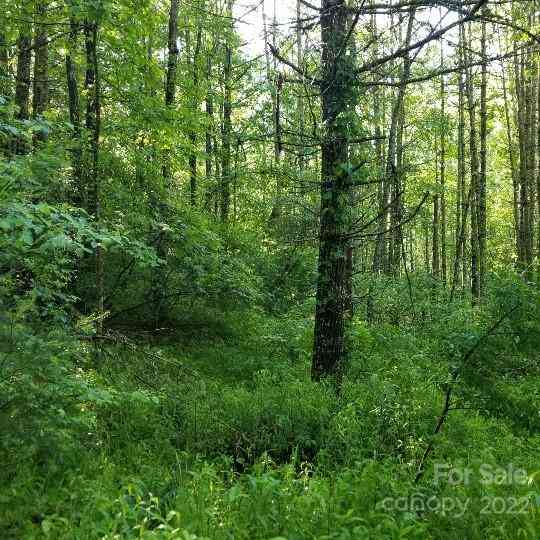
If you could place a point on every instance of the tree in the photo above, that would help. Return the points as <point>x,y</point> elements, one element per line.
<point>93,127</point>
<point>5,89</point>
<point>170,76</point>
<point>226,130</point>
<point>337,99</point>
<point>24,59</point>
<point>74,108</point>
<point>41,62</point>
<point>194,107</point>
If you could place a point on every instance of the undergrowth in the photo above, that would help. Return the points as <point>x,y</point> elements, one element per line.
<point>233,440</point>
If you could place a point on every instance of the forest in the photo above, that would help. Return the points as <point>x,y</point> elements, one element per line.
<point>270,269</point>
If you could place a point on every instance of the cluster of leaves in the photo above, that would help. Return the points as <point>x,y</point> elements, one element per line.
<point>42,244</point>
<point>46,392</point>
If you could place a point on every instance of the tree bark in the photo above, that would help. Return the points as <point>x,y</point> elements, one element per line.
<point>24,59</point>
<point>526,128</point>
<point>435,260</point>
<point>511,154</point>
<point>380,251</point>
<point>93,126</point>
<point>226,133</point>
<point>158,200</point>
<point>275,81</point>
<point>462,200</point>
<point>172,54</point>
<point>537,133</point>
<point>482,179</point>
<point>300,99</point>
<point>442,176</point>
<point>8,145</point>
<point>5,78</point>
<point>393,166</point>
<point>170,82</point>
<point>40,96</point>
<point>336,99</point>
<point>193,132</point>
<point>475,177</point>
<point>209,110</point>
<point>74,112</point>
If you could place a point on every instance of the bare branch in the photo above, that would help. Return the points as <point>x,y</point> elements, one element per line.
<point>293,66</point>
<point>430,37</point>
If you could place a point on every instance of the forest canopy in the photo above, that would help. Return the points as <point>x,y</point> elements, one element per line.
<point>269,269</point>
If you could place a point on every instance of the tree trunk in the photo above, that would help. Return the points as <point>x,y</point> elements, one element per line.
<point>5,78</point>
<point>217,174</point>
<point>537,133</point>
<point>435,261</point>
<point>40,96</point>
<point>475,180</point>
<point>442,177</point>
<point>226,137</point>
<point>526,127</point>
<point>278,148</point>
<point>275,81</point>
<point>7,146</point>
<point>393,165</point>
<point>193,132</point>
<point>336,99</point>
<point>511,153</point>
<point>172,55</point>
<point>209,109</point>
<point>462,200</point>
<point>170,80</point>
<point>158,200</point>
<point>379,252</point>
<point>300,99</point>
<point>24,59</point>
<point>74,112</point>
<point>482,179</point>
<point>93,126</point>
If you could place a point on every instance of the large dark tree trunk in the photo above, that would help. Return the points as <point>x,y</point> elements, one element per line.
<point>336,96</point>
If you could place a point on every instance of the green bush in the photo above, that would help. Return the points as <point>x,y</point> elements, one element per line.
<point>277,416</point>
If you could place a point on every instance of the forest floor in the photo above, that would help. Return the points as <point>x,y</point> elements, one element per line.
<point>231,440</point>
